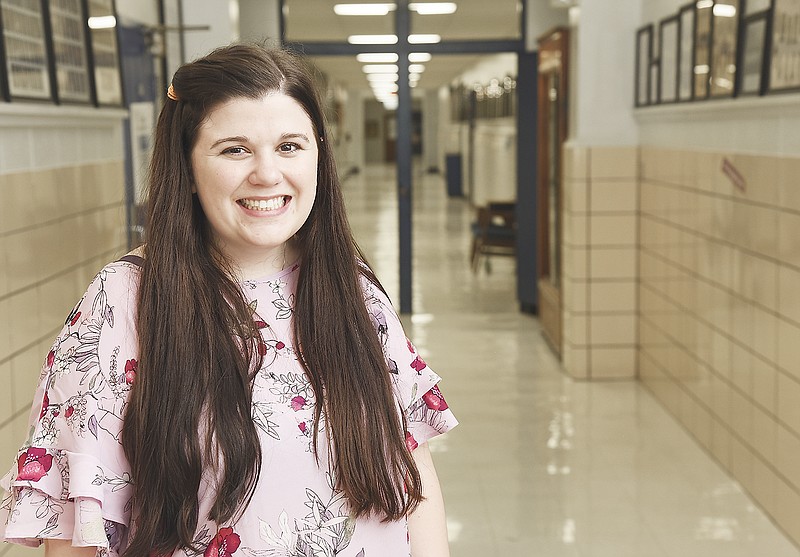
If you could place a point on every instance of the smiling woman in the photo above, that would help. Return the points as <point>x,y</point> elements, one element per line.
<point>257,187</point>
<point>241,384</point>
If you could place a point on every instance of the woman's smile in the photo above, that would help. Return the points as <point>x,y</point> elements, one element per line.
<point>265,205</point>
<point>255,175</point>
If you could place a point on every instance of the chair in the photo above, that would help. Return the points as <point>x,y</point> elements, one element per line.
<point>494,232</point>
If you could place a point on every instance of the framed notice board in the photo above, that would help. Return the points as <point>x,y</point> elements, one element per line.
<point>24,38</point>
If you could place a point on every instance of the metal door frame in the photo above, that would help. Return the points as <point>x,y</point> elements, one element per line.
<point>403,49</point>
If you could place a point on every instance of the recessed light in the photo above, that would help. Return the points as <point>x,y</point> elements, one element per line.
<point>724,10</point>
<point>419,57</point>
<point>424,39</point>
<point>380,68</point>
<point>377,57</point>
<point>433,8</point>
<point>390,77</point>
<point>363,9</point>
<point>102,22</point>
<point>372,39</point>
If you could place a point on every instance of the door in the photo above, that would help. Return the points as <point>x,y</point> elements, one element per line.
<point>552,99</point>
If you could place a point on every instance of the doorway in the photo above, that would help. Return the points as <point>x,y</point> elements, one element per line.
<point>403,30</point>
<point>552,131</point>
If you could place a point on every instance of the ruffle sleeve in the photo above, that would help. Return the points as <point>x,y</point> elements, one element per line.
<point>416,385</point>
<point>71,479</point>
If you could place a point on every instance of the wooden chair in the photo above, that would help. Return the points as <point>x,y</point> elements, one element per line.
<point>494,232</point>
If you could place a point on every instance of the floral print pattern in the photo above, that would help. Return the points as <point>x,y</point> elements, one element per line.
<point>72,470</point>
<point>33,464</point>
<point>224,544</point>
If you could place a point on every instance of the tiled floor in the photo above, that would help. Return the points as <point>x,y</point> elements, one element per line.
<point>542,466</point>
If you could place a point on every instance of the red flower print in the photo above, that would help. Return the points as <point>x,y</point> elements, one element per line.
<point>130,371</point>
<point>262,348</point>
<point>33,464</point>
<point>411,443</point>
<point>51,358</point>
<point>224,543</point>
<point>75,319</point>
<point>279,345</point>
<point>302,426</point>
<point>434,399</point>
<point>45,404</point>
<point>298,403</point>
<point>69,412</point>
<point>410,346</point>
<point>260,324</point>
<point>419,364</point>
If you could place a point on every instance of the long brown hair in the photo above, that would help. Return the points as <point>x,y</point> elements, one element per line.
<point>190,407</point>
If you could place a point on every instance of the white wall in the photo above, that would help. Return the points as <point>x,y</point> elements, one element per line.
<point>222,18</point>
<point>431,148</point>
<point>494,170</point>
<point>374,147</point>
<point>542,17</point>
<point>655,10</point>
<point>604,72</point>
<point>353,132</point>
<point>259,20</point>
<point>490,66</point>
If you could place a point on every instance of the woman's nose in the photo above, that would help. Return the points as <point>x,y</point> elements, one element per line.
<point>266,171</point>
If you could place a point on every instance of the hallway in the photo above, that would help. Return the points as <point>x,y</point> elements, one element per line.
<point>541,465</point>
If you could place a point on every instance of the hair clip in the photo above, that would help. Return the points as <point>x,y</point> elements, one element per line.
<point>171,93</point>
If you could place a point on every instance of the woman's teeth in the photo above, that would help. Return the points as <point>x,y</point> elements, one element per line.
<point>263,204</point>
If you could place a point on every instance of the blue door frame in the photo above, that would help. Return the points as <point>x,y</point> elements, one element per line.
<point>526,142</point>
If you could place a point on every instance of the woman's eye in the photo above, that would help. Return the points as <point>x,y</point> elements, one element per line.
<point>234,151</point>
<point>288,147</point>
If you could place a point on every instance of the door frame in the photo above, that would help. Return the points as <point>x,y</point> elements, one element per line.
<point>404,159</point>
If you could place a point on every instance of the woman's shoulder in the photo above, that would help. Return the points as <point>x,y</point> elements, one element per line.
<point>112,291</point>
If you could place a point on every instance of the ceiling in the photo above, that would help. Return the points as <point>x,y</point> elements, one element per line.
<point>309,21</point>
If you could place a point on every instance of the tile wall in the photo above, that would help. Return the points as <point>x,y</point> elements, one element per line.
<point>62,217</point>
<point>719,312</point>
<point>599,261</point>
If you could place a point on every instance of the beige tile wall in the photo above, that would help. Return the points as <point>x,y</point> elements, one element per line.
<point>57,228</point>
<point>599,261</point>
<point>719,312</point>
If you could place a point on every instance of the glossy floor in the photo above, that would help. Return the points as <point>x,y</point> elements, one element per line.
<point>542,466</point>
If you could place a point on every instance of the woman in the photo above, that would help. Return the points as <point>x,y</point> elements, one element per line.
<point>241,385</point>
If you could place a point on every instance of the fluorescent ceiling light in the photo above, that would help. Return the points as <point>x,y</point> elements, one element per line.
<point>433,8</point>
<point>416,68</point>
<point>390,77</point>
<point>424,39</point>
<point>380,68</point>
<point>724,10</point>
<point>372,39</point>
<point>704,4</point>
<point>385,87</point>
<point>363,9</point>
<point>377,58</point>
<point>422,8</point>
<point>102,22</point>
<point>419,57</point>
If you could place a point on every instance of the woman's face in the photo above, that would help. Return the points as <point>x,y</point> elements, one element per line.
<point>255,173</point>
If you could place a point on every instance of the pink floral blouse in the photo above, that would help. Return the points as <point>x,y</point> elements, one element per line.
<point>71,479</point>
